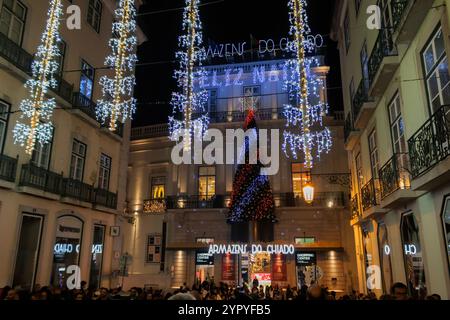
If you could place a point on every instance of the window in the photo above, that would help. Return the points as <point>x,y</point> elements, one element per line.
<point>105,172</point>
<point>87,79</point>
<point>359,174</point>
<point>399,146</point>
<point>12,20</point>
<point>212,101</point>
<point>373,150</point>
<point>77,161</point>
<point>365,66</point>
<point>207,182</point>
<point>385,257</point>
<point>446,222</point>
<point>300,177</point>
<point>158,186</point>
<point>435,63</point>
<point>94,16</point>
<point>153,254</point>
<point>42,153</point>
<point>4,116</point>
<point>357,6</point>
<point>351,91</point>
<point>251,97</point>
<point>347,31</point>
<point>60,58</point>
<point>412,254</point>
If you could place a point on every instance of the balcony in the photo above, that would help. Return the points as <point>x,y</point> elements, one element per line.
<point>105,199</point>
<point>40,178</point>
<point>155,131</point>
<point>383,63</point>
<point>405,15</point>
<point>351,135</point>
<point>363,106</point>
<point>282,200</point>
<point>370,198</point>
<point>23,60</point>
<point>355,209</point>
<point>77,190</point>
<point>8,168</point>
<point>395,181</point>
<point>84,104</point>
<point>155,206</point>
<point>429,149</point>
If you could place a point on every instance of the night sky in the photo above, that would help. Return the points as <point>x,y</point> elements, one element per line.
<point>223,22</point>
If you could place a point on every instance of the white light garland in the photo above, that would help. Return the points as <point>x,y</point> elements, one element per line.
<point>38,108</point>
<point>189,101</point>
<point>117,103</point>
<point>304,86</point>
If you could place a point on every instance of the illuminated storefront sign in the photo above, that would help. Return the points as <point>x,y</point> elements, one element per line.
<point>305,258</point>
<point>66,248</point>
<point>252,248</point>
<point>204,258</point>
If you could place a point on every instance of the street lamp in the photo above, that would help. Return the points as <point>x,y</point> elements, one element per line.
<point>308,193</point>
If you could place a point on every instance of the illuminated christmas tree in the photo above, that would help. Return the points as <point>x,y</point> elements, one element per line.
<point>38,108</point>
<point>188,100</point>
<point>306,109</point>
<point>117,103</point>
<point>252,205</point>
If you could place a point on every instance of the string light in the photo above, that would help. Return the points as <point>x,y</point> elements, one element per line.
<point>189,101</point>
<point>304,87</point>
<point>117,103</point>
<point>38,108</point>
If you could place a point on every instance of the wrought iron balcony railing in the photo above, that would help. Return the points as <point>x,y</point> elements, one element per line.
<point>384,47</point>
<point>40,178</point>
<point>431,143</point>
<point>77,190</point>
<point>85,104</point>
<point>354,206</point>
<point>321,199</point>
<point>105,198</point>
<point>8,168</point>
<point>394,175</point>
<point>369,194</point>
<point>361,97</point>
<point>398,9</point>
<point>155,206</point>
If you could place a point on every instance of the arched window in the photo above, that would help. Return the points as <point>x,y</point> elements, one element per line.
<point>412,253</point>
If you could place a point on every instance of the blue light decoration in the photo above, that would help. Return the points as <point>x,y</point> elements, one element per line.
<point>117,103</point>
<point>306,109</point>
<point>188,101</point>
<point>38,108</point>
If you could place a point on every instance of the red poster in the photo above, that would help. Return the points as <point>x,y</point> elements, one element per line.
<point>279,269</point>
<point>228,269</point>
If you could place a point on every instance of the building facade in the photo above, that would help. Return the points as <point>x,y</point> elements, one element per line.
<point>179,210</point>
<point>58,206</point>
<point>397,137</point>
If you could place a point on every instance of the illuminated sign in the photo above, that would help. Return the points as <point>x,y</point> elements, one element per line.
<point>253,249</point>
<point>66,248</point>
<point>204,258</point>
<point>305,258</point>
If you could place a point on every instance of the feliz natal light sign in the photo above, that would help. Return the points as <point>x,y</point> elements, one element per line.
<point>225,50</point>
<point>253,249</point>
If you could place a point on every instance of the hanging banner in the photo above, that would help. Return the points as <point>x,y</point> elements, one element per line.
<point>279,268</point>
<point>228,267</point>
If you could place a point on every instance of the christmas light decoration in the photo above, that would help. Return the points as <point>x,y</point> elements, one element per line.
<point>307,109</point>
<point>117,103</point>
<point>38,108</point>
<point>189,101</point>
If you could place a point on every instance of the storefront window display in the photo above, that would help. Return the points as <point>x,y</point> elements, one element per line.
<point>385,257</point>
<point>66,252</point>
<point>412,253</point>
<point>446,222</point>
<point>306,268</point>
<point>204,266</point>
<point>97,256</point>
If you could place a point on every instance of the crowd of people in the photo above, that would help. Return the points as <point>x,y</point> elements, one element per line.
<point>204,291</point>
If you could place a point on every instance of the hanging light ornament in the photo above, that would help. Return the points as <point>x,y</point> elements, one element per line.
<point>188,101</point>
<point>307,108</point>
<point>117,103</point>
<point>38,108</point>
